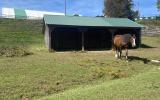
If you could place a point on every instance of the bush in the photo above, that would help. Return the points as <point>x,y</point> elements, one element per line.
<point>14,51</point>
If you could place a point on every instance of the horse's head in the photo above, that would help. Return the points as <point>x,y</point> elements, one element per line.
<point>133,40</point>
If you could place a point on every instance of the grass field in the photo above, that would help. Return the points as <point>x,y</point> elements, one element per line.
<point>73,75</point>
<point>149,22</point>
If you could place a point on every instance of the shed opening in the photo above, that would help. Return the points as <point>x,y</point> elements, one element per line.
<point>65,38</point>
<point>75,38</point>
<point>97,39</point>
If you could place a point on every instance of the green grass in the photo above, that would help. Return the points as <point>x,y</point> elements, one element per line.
<point>56,75</point>
<point>144,86</point>
<point>149,22</point>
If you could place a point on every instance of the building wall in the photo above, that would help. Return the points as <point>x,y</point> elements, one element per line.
<point>8,12</point>
<point>47,36</point>
<point>31,14</point>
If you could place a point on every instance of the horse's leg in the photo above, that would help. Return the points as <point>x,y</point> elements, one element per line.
<point>120,51</point>
<point>126,53</point>
<point>116,53</point>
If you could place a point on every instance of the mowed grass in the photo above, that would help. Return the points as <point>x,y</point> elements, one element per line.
<point>144,86</point>
<point>57,74</point>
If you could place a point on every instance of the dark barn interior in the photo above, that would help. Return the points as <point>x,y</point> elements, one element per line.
<point>70,38</point>
<point>66,38</point>
<point>97,39</point>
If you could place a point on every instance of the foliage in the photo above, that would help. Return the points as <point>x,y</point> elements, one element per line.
<point>158,4</point>
<point>120,9</point>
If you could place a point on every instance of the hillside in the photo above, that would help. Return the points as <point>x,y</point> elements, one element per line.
<point>28,70</point>
<point>149,22</point>
<point>21,34</point>
<point>152,27</point>
<point>20,25</point>
<point>144,86</point>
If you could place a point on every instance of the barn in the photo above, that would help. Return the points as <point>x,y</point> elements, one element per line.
<point>85,33</point>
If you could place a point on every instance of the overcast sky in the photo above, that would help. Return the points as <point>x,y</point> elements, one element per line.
<point>83,7</point>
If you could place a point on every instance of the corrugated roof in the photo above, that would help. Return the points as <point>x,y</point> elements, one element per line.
<point>90,21</point>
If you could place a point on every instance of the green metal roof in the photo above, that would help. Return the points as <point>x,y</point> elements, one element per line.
<point>90,21</point>
<point>20,14</point>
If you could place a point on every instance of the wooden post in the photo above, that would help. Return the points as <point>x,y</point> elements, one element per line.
<point>82,40</point>
<point>50,48</point>
<point>82,30</point>
<point>140,36</point>
<point>51,29</point>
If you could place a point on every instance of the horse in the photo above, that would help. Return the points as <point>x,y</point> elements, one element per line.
<point>122,42</point>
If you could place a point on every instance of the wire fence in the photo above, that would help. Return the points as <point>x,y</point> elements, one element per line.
<point>149,18</point>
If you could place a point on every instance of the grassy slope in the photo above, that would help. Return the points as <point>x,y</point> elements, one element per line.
<point>21,33</point>
<point>150,22</point>
<point>145,86</point>
<point>44,73</point>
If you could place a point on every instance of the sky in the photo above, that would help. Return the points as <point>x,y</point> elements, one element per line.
<point>82,7</point>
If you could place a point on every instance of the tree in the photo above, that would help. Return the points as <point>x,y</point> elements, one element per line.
<point>158,4</point>
<point>119,8</point>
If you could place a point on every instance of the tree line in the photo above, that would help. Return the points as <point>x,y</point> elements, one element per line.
<point>122,9</point>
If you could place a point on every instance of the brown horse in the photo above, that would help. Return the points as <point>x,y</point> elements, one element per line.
<point>122,42</point>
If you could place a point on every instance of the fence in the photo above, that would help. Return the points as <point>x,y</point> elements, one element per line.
<point>148,18</point>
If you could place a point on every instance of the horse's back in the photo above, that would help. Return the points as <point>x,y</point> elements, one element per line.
<point>117,41</point>
<point>126,38</point>
<point>121,40</point>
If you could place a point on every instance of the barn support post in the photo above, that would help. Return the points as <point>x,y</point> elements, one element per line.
<point>51,29</point>
<point>82,40</point>
<point>82,30</point>
<point>140,34</point>
<point>138,37</point>
<point>50,40</point>
<point>47,37</point>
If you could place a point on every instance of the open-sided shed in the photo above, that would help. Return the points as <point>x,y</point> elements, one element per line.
<point>86,33</point>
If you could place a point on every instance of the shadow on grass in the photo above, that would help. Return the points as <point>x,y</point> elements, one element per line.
<point>146,46</point>
<point>144,60</point>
